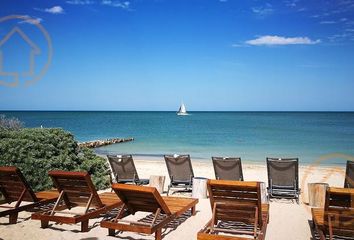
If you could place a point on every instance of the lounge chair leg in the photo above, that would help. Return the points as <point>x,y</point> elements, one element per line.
<point>13,218</point>
<point>84,226</point>
<point>111,232</point>
<point>313,226</point>
<point>158,234</point>
<point>44,223</point>
<point>193,211</point>
<point>168,190</point>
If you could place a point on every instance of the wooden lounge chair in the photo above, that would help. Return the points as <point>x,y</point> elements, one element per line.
<point>14,188</point>
<point>76,189</point>
<point>337,216</point>
<point>227,168</point>
<point>237,211</point>
<point>349,175</point>
<point>180,170</point>
<point>147,199</point>
<point>283,178</point>
<point>124,171</point>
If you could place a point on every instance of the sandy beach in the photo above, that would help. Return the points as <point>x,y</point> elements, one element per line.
<point>285,216</point>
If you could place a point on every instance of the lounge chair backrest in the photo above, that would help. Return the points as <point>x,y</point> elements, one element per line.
<point>239,199</point>
<point>140,198</point>
<point>283,172</point>
<point>349,175</point>
<point>13,183</point>
<point>123,167</point>
<point>339,205</point>
<point>179,167</point>
<point>227,168</point>
<point>77,187</point>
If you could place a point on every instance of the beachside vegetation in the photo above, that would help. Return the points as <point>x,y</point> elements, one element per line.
<point>38,150</point>
<point>9,123</point>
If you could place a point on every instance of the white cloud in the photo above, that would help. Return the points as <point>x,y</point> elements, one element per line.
<point>291,3</point>
<point>339,37</point>
<point>328,22</point>
<point>54,10</point>
<point>31,20</point>
<point>278,40</point>
<point>263,10</point>
<point>80,2</point>
<point>124,5</point>
<point>237,45</point>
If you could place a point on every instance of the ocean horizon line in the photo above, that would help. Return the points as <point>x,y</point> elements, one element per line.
<point>193,111</point>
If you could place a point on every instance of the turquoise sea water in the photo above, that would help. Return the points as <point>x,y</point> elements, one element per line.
<point>251,135</point>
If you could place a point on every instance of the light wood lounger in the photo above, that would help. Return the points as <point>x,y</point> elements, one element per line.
<point>76,189</point>
<point>14,188</point>
<point>337,217</point>
<point>237,211</point>
<point>147,199</point>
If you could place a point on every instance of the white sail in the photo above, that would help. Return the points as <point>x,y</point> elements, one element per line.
<point>182,110</point>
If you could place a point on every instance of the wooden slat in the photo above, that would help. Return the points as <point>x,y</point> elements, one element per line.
<point>235,194</point>
<point>125,190</point>
<point>339,206</point>
<point>205,235</point>
<point>78,188</point>
<point>126,227</point>
<point>240,201</point>
<point>178,205</point>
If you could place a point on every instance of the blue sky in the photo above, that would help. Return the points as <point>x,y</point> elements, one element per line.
<point>152,54</point>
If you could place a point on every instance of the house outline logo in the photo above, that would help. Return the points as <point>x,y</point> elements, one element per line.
<point>33,52</point>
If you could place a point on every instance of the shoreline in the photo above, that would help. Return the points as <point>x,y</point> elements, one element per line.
<point>155,158</point>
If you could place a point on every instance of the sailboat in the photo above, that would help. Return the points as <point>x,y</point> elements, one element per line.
<point>182,110</point>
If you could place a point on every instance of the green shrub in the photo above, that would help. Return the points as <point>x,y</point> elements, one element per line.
<point>96,166</point>
<point>36,151</point>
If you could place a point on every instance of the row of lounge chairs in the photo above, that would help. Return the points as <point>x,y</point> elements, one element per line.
<point>236,206</point>
<point>76,190</point>
<point>283,173</point>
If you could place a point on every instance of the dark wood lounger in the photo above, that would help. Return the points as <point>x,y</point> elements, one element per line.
<point>146,199</point>
<point>15,188</point>
<point>76,189</point>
